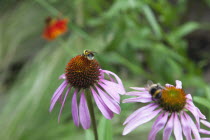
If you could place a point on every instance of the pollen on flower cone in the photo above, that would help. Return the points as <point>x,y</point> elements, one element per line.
<point>81,72</point>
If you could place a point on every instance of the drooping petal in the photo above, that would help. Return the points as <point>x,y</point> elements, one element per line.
<point>84,114</point>
<point>57,94</point>
<point>137,93</point>
<point>101,105</point>
<point>138,99</point>
<point>177,128</point>
<point>168,128</point>
<point>61,87</point>
<point>111,104</point>
<point>111,91</point>
<point>149,107</point>
<point>63,102</point>
<point>185,127</point>
<point>193,110</point>
<point>188,96</point>
<point>193,127</point>
<point>138,88</point>
<point>200,114</point>
<point>74,108</point>
<point>141,120</point>
<point>158,125</point>
<point>205,123</point>
<point>63,76</point>
<point>203,131</point>
<point>178,84</point>
<point>117,87</point>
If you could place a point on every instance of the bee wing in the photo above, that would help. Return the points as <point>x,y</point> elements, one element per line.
<point>149,83</point>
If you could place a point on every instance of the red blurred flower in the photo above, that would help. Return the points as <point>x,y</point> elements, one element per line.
<point>54,28</point>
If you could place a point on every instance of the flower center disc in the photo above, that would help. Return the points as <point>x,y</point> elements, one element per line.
<point>173,99</point>
<point>81,72</point>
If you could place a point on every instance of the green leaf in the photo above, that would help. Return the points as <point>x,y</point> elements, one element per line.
<point>203,101</point>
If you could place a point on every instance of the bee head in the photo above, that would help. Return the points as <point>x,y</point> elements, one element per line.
<point>88,54</point>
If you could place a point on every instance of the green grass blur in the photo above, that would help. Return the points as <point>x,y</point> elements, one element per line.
<point>139,40</point>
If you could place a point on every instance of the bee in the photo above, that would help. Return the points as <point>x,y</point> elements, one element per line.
<point>155,90</point>
<point>88,54</point>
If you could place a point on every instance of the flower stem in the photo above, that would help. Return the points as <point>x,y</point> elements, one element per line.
<point>92,114</point>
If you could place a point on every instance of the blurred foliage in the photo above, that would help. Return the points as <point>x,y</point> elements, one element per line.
<point>137,39</point>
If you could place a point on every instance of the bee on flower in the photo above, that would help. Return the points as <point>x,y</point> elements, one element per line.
<point>54,27</point>
<point>84,76</point>
<point>172,106</point>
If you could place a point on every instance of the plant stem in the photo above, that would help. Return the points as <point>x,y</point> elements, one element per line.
<point>92,114</point>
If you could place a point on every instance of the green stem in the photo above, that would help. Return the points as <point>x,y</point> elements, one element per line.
<point>92,114</point>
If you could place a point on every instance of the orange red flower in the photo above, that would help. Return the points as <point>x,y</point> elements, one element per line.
<point>55,27</point>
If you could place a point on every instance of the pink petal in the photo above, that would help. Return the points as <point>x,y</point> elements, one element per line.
<point>61,87</point>
<point>141,120</point>
<point>74,108</point>
<point>177,128</point>
<point>178,84</point>
<point>84,114</point>
<point>137,93</point>
<point>200,114</point>
<point>138,99</point>
<point>57,94</point>
<point>102,106</point>
<point>158,125</point>
<point>116,87</point>
<point>149,107</point>
<point>111,91</point>
<point>138,88</point>
<point>188,96</point>
<point>67,92</point>
<point>193,110</point>
<point>204,131</point>
<point>111,104</point>
<point>186,127</point>
<point>63,76</point>
<point>117,78</point>
<point>193,127</point>
<point>168,129</point>
<point>205,123</point>
<point>169,85</point>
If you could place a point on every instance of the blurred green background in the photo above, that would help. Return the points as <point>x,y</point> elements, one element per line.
<point>139,40</point>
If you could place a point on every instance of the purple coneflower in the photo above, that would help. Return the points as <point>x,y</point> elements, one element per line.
<point>84,75</point>
<point>172,106</point>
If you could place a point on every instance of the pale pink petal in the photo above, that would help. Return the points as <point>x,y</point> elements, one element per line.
<point>168,128</point>
<point>63,76</point>
<point>193,127</point>
<point>116,87</point>
<point>133,115</point>
<point>138,99</point>
<point>84,114</point>
<point>141,120</point>
<point>186,127</point>
<point>117,78</point>
<point>158,125</point>
<point>67,92</point>
<point>178,84</point>
<point>102,106</point>
<point>138,88</point>
<point>111,104</point>
<point>74,108</point>
<point>193,110</point>
<point>177,128</point>
<point>57,94</point>
<point>137,93</point>
<point>205,123</point>
<point>169,85</point>
<point>188,96</point>
<point>111,91</point>
<point>61,87</point>
<point>204,131</point>
<point>200,114</point>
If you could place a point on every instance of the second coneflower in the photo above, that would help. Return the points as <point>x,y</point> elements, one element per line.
<point>55,27</point>
<point>172,104</point>
<point>87,80</point>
